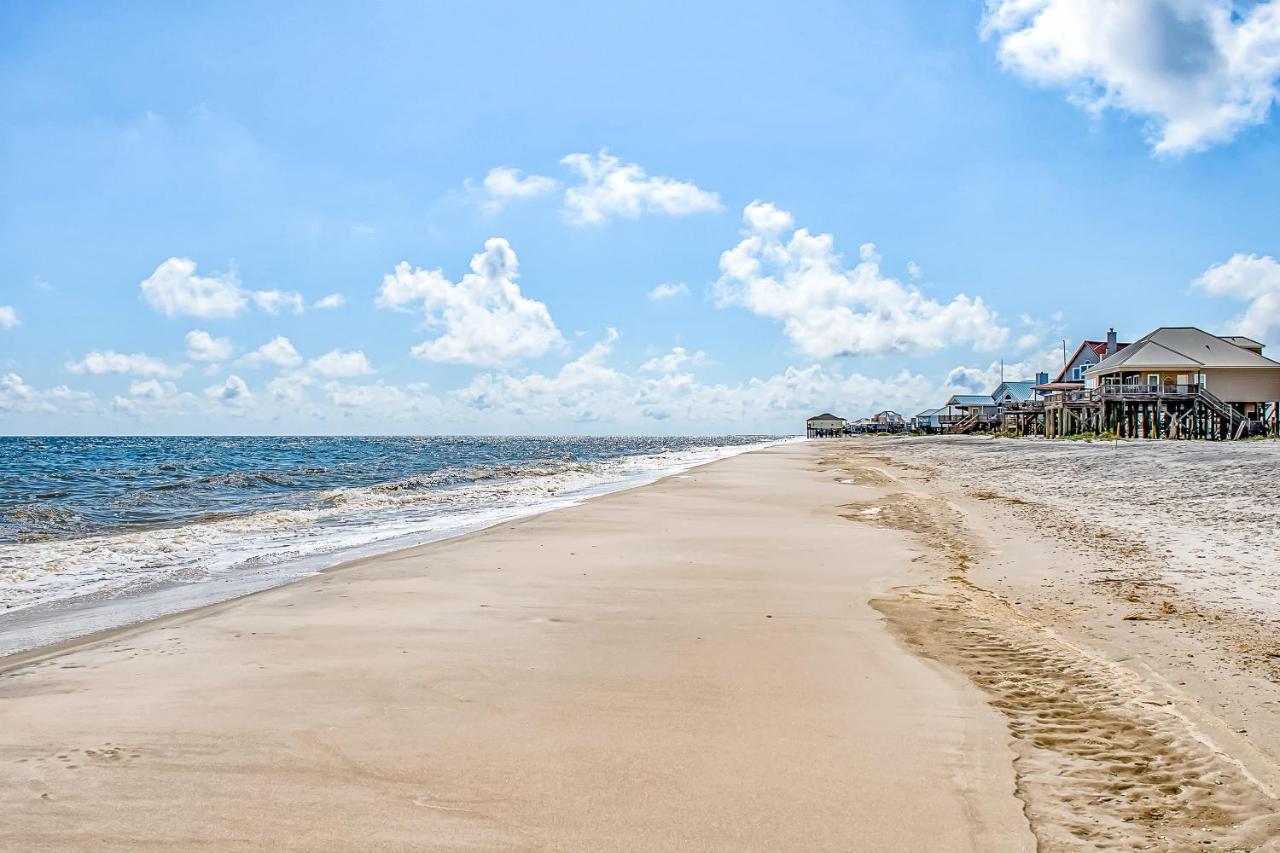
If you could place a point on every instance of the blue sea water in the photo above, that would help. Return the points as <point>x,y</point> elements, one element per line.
<point>107,517</point>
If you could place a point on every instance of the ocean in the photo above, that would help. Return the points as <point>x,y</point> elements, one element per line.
<point>86,520</point>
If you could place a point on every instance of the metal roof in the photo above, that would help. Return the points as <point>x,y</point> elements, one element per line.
<point>1022,389</point>
<point>1181,347</point>
<point>972,400</point>
<point>825,416</point>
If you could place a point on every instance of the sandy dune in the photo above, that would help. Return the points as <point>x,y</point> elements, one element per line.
<point>693,665</point>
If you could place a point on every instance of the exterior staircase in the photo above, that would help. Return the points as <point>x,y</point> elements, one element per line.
<point>963,427</point>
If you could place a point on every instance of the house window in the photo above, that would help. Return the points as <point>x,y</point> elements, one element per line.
<point>1153,380</point>
<point>1077,373</point>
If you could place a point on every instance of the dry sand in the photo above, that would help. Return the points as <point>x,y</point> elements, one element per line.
<point>1117,603</point>
<point>693,665</point>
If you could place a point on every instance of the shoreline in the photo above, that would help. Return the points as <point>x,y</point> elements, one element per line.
<point>653,669</point>
<point>60,621</point>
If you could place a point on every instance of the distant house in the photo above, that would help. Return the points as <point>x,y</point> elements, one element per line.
<point>930,420</point>
<point>982,405</point>
<point>1086,355</point>
<point>824,425</point>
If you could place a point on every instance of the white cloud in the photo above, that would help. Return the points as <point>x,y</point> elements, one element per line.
<point>275,301</point>
<point>504,184</point>
<point>289,388</point>
<point>202,346</point>
<point>17,396</point>
<point>8,317</point>
<point>381,398</point>
<point>1254,278</point>
<point>674,360</point>
<point>669,290</point>
<point>828,310</point>
<point>570,392</point>
<point>174,288</point>
<point>964,379</point>
<point>278,351</point>
<point>153,389</point>
<point>336,363</point>
<point>611,188</point>
<point>137,364</point>
<point>913,270</point>
<point>333,300</point>
<point>1198,70</point>
<point>484,318</point>
<point>234,392</point>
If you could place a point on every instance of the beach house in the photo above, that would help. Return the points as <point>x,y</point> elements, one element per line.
<point>972,412</point>
<point>824,425</point>
<point>1183,382</point>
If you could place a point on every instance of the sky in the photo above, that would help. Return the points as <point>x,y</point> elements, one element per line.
<point>649,218</point>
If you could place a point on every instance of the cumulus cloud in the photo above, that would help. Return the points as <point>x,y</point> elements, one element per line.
<point>571,391</point>
<point>234,392</point>
<point>333,300</point>
<point>828,310</point>
<point>136,364</point>
<point>380,397</point>
<point>1198,70</point>
<point>609,188</point>
<point>275,301</point>
<point>153,389</point>
<point>8,317</point>
<point>668,290</point>
<point>483,319</point>
<point>504,184</point>
<point>18,397</point>
<point>278,351</point>
<point>1255,278</point>
<point>964,379</point>
<point>202,346</point>
<point>336,363</point>
<point>174,289</point>
<point>674,361</point>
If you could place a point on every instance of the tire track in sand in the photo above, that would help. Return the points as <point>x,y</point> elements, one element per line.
<point>1101,762</point>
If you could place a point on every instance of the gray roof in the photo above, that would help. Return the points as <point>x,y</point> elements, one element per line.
<point>972,400</point>
<point>928,413</point>
<point>825,416</point>
<point>1181,347</point>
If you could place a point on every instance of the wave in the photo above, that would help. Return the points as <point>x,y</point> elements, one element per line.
<point>320,529</point>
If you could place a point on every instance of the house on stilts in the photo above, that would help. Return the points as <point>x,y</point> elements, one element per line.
<point>1177,382</point>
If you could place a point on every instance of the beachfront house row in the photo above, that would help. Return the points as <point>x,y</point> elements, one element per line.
<point>824,425</point>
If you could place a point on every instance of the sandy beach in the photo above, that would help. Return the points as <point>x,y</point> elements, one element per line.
<point>935,645</point>
<point>694,664</point>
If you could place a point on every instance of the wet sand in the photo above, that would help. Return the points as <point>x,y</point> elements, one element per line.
<point>691,665</point>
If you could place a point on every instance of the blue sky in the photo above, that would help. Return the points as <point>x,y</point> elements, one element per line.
<point>182,186</point>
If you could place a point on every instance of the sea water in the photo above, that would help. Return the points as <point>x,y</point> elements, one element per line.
<point>107,530</point>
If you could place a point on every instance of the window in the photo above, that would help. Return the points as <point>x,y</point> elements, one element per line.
<point>1153,380</point>
<point>1077,373</point>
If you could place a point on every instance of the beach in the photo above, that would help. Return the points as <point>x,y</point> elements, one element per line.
<point>832,645</point>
